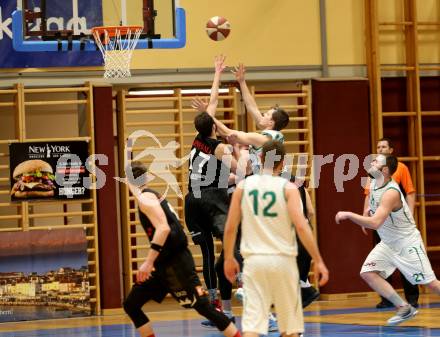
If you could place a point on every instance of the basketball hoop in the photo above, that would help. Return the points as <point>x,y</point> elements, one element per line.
<point>116,44</point>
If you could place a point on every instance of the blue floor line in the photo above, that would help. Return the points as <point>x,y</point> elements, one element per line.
<point>192,328</point>
<point>358,310</point>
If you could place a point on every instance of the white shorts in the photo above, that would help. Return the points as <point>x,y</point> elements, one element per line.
<point>411,260</point>
<point>267,280</point>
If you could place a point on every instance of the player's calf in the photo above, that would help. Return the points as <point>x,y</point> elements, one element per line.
<point>220,320</point>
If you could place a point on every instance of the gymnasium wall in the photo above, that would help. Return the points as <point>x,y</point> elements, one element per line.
<point>341,118</point>
<point>281,33</point>
<point>277,33</point>
<point>263,34</point>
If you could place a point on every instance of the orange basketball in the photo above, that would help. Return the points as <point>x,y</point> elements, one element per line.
<point>218,28</point>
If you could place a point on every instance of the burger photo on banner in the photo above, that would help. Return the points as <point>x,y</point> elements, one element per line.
<point>48,170</point>
<point>33,178</point>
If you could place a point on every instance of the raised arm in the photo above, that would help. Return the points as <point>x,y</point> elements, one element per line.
<point>222,129</point>
<point>304,231</point>
<point>211,107</point>
<point>248,138</point>
<point>224,153</point>
<point>248,99</point>
<point>245,138</point>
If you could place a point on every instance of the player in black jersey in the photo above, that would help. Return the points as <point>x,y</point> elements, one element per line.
<point>169,266</point>
<point>308,292</point>
<point>207,201</point>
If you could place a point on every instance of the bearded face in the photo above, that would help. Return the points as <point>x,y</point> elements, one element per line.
<point>377,166</point>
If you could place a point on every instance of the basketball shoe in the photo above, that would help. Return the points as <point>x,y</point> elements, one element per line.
<point>403,314</point>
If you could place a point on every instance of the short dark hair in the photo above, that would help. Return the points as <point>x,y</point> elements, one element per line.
<point>278,156</point>
<point>203,123</point>
<point>280,118</point>
<point>137,168</point>
<point>388,140</point>
<point>391,162</point>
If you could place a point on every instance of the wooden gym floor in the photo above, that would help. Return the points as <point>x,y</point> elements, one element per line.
<point>350,318</point>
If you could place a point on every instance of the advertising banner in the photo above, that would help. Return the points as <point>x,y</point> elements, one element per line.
<point>48,170</point>
<point>44,275</point>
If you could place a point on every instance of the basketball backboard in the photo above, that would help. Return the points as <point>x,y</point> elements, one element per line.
<point>65,25</point>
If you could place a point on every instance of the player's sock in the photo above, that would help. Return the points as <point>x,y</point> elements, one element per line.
<point>212,294</point>
<point>305,284</point>
<point>226,304</point>
<point>396,300</point>
<point>239,279</point>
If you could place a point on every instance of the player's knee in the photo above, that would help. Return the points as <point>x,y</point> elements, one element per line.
<point>368,276</point>
<point>129,306</point>
<point>134,310</point>
<point>364,275</point>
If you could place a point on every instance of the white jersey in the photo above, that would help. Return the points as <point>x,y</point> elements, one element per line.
<point>399,228</point>
<point>266,226</point>
<point>254,152</point>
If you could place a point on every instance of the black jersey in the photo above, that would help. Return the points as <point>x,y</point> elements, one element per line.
<point>302,193</point>
<point>176,240</point>
<point>205,170</point>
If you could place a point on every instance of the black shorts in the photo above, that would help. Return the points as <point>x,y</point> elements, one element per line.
<point>177,277</point>
<point>206,216</point>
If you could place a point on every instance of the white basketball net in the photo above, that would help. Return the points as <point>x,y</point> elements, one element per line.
<point>117,51</point>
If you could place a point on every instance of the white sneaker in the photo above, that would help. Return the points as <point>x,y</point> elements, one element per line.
<point>403,314</point>
<point>239,294</point>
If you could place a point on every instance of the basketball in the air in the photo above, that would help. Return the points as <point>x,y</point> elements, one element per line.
<point>218,28</point>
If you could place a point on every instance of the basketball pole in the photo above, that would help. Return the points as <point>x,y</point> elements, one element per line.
<point>123,13</point>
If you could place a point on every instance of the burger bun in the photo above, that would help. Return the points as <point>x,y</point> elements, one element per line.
<point>30,194</point>
<point>29,166</point>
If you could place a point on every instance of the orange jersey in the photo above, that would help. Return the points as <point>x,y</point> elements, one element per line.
<point>401,177</point>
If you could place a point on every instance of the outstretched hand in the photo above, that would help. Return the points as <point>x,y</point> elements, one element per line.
<point>340,216</point>
<point>219,63</point>
<point>239,72</point>
<point>199,104</point>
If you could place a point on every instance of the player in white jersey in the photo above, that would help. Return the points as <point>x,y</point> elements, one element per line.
<point>270,122</point>
<point>262,121</point>
<point>401,245</point>
<point>267,205</point>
